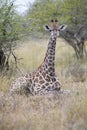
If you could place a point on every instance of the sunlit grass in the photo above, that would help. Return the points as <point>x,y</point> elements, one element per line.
<point>63,112</point>
<point>5,83</point>
<point>33,53</point>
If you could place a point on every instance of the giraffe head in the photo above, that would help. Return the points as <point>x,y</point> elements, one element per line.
<point>55,29</point>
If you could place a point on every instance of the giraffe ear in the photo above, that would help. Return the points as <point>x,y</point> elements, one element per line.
<point>46,27</point>
<point>62,27</point>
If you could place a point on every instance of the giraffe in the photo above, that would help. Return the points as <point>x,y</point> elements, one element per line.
<point>44,79</point>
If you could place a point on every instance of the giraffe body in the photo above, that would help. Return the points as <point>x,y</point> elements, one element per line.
<point>44,79</point>
<point>35,83</point>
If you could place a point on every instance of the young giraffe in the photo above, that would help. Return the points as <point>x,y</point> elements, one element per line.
<point>44,79</point>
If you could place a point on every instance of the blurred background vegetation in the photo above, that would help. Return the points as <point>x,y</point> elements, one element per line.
<point>14,27</point>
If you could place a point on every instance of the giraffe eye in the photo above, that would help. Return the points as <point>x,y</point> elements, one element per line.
<point>56,20</point>
<point>51,30</point>
<point>52,20</point>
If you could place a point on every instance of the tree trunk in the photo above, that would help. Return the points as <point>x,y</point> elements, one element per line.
<point>2,59</point>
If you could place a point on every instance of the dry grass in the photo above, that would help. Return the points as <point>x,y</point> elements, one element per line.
<point>52,112</point>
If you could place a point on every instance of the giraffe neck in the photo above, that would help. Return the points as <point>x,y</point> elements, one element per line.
<point>49,60</point>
